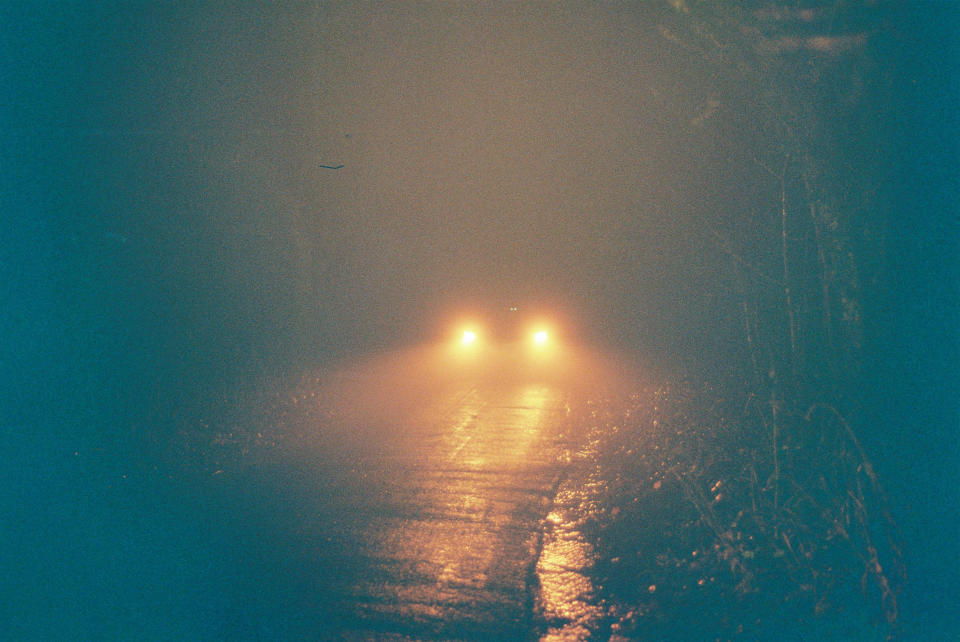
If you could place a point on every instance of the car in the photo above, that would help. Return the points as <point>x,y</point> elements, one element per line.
<point>506,329</point>
<point>506,344</point>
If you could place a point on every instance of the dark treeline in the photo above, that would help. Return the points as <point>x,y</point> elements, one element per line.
<point>840,267</point>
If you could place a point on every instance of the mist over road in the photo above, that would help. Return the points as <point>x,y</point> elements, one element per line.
<point>409,495</point>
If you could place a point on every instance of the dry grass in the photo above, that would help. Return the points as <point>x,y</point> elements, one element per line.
<point>708,533</point>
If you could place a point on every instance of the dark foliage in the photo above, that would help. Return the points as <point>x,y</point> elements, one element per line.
<point>707,534</point>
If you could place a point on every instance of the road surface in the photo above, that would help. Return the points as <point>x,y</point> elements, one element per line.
<point>407,497</point>
<point>406,510</point>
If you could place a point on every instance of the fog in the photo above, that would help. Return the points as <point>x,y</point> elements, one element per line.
<point>494,154</point>
<point>204,196</point>
<point>205,191</point>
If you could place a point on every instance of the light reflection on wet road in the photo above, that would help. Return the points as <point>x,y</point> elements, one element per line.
<point>407,500</point>
<point>456,555</point>
<point>566,601</point>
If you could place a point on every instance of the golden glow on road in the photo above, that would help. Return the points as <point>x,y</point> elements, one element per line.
<point>567,594</point>
<point>469,337</point>
<point>482,463</point>
<point>462,447</point>
<point>540,337</point>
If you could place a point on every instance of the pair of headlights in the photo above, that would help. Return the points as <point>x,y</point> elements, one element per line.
<point>538,337</point>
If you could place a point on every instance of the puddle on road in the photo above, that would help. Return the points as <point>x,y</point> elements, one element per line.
<point>567,602</point>
<point>567,598</point>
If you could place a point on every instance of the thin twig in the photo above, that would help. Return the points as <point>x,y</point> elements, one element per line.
<point>725,247</point>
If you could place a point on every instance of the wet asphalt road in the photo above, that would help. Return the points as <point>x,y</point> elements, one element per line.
<point>405,497</point>
<point>454,534</point>
<point>398,510</point>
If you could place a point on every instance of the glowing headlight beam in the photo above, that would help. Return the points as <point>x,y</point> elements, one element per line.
<point>540,337</point>
<point>468,337</point>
